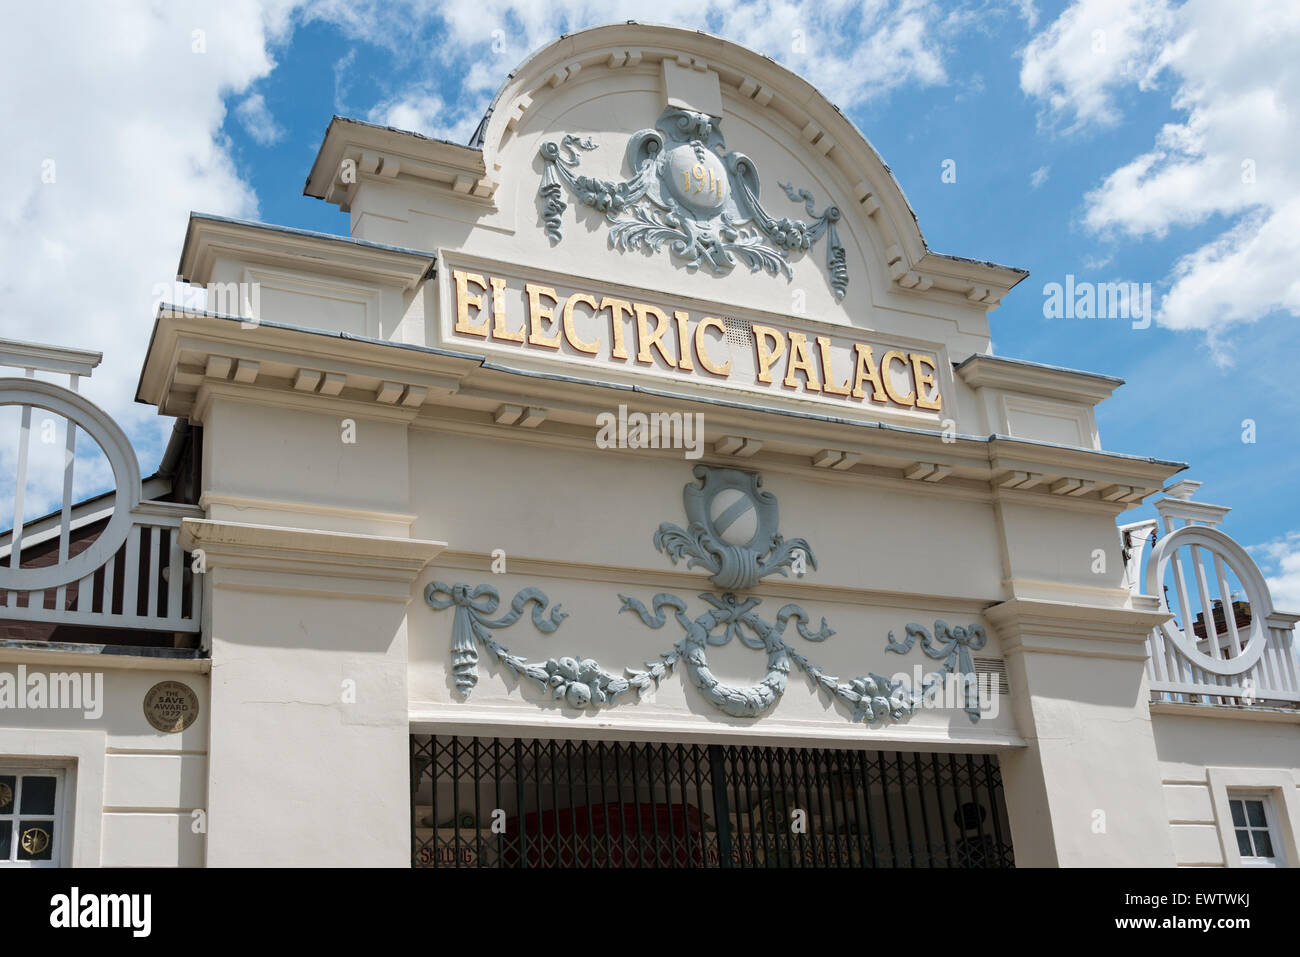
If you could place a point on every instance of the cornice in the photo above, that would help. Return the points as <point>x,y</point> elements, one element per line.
<point>192,355</point>
<point>1067,628</point>
<point>88,657</point>
<point>46,358</point>
<point>384,154</point>
<point>1225,712</point>
<point>210,237</point>
<point>276,559</point>
<point>1032,378</point>
<point>193,359</point>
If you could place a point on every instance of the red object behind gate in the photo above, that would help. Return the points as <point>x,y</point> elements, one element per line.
<point>608,835</point>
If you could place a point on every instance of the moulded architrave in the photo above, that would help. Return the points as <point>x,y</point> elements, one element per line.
<point>1280,784</point>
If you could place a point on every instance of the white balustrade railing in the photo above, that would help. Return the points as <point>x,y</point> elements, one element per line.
<point>1224,643</point>
<point>131,573</point>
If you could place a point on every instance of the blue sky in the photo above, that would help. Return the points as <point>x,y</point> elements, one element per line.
<point>1111,159</point>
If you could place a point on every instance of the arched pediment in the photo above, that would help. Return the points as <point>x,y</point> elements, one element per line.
<point>578,124</point>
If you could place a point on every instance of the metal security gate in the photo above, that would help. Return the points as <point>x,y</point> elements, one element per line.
<point>507,802</point>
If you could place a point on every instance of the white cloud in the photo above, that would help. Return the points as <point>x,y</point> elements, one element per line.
<point>255,117</point>
<point>1039,176</point>
<point>1280,561</point>
<point>1234,76</point>
<point>422,111</point>
<point>112,124</point>
<point>851,49</point>
<point>1089,50</point>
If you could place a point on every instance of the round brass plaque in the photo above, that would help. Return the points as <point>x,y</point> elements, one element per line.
<point>34,841</point>
<point>6,796</point>
<point>171,707</point>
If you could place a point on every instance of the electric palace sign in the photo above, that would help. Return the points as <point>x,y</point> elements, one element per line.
<point>620,329</point>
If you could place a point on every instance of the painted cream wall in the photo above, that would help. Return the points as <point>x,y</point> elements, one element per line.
<point>1199,755</point>
<point>134,789</point>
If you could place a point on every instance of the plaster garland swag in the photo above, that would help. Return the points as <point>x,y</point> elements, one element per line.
<point>584,684</point>
<point>725,506</point>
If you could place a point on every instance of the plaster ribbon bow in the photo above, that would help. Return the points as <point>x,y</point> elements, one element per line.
<point>953,646</point>
<point>472,624</point>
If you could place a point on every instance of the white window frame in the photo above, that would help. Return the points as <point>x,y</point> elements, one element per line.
<point>18,769</point>
<point>1279,786</point>
<point>1270,825</point>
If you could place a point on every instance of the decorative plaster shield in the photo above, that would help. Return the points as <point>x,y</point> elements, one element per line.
<point>689,190</point>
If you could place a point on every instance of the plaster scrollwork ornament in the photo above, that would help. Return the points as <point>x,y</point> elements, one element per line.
<point>953,646</point>
<point>689,191</point>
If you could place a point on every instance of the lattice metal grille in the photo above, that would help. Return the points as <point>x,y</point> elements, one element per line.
<point>503,802</point>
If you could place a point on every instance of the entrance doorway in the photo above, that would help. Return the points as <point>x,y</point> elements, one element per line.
<point>515,802</point>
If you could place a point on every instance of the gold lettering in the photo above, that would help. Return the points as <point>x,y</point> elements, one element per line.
<point>887,377</point>
<point>646,339</point>
<point>866,371</point>
<point>499,330</point>
<point>707,364</point>
<point>537,314</point>
<point>923,381</point>
<point>828,376</point>
<point>683,340</point>
<point>801,361</point>
<point>619,309</point>
<point>765,354</point>
<point>464,299</point>
<point>571,334</point>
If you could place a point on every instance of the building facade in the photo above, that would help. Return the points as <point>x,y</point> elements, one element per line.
<point>631,487</point>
